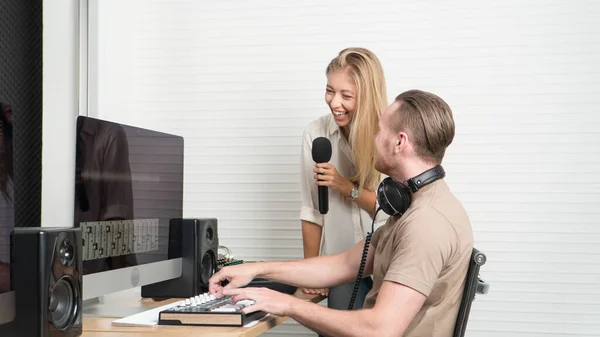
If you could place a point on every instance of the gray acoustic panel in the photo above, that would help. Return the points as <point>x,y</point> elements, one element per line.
<point>21,87</point>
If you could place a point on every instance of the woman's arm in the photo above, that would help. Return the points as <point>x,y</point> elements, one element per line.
<point>366,199</point>
<point>311,238</point>
<point>312,220</point>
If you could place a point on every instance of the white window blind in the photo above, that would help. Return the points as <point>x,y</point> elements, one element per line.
<point>240,79</point>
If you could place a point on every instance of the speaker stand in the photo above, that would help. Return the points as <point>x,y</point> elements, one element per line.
<point>116,311</point>
<point>118,305</point>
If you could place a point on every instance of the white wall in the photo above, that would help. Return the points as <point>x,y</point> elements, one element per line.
<point>239,80</point>
<point>60,109</point>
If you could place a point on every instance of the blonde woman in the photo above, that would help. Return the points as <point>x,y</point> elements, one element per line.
<point>356,95</point>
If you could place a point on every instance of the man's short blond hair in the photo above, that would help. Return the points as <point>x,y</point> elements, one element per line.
<point>428,120</point>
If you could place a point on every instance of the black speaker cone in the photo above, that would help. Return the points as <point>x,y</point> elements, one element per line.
<point>208,266</point>
<point>63,304</point>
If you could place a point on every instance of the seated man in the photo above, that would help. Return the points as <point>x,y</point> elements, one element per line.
<point>418,259</point>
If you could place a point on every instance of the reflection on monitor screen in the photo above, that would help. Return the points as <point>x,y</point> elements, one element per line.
<point>128,185</point>
<point>7,296</point>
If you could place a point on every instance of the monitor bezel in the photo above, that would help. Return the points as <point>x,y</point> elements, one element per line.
<point>107,282</point>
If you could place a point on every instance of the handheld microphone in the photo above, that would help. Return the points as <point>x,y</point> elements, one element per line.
<point>321,153</point>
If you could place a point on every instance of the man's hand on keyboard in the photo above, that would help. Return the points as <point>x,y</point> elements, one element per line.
<point>236,276</point>
<point>265,299</point>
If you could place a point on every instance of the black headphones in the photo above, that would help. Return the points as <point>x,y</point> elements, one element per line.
<point>394,198</point>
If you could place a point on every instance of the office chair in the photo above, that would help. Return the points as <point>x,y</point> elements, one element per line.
<point>474,285</point>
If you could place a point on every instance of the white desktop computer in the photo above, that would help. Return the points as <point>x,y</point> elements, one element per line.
<point>128,186</point>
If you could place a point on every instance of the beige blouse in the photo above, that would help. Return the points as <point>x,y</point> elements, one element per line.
<point>345,224</point>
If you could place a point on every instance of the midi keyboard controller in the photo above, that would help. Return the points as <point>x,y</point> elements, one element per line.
<point>207,310</point>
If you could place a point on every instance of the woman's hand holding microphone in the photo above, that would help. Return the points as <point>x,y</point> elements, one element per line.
<point>327,175</point>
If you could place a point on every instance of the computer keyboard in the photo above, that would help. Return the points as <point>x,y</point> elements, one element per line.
<point>204,309</point>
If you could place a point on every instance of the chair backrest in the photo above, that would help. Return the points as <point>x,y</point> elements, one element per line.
<point>473,285</point>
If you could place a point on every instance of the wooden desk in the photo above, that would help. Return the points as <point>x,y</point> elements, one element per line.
<point>102,326</point>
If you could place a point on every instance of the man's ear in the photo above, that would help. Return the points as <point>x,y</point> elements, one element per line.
<point>401,142</point>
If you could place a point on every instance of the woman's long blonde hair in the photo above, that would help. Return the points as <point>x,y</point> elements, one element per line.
<point>367,73</point>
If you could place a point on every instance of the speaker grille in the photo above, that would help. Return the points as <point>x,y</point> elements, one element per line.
<point>208,266</point>
<point>63,304</point>
<point>21,87</point>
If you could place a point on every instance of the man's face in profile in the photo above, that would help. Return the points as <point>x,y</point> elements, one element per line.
<point>385,139</point>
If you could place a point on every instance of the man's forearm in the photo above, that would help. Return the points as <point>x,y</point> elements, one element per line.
<point>331,322</point>
<point>317,272</point>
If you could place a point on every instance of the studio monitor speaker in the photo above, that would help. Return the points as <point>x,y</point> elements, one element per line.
<point>47,278</point>
<point>196,241</point>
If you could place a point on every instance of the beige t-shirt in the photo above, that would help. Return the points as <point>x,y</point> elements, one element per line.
<point>427,249</point>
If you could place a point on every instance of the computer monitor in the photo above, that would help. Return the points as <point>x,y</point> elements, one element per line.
<point>7,214</point>
<point>128,185</point>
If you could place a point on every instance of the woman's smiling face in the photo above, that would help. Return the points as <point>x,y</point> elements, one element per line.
<point>340,95</point>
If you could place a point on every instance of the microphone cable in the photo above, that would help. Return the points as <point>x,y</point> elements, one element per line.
<point>363,261</point>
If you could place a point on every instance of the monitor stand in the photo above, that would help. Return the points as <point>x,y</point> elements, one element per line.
<point>117,305</point>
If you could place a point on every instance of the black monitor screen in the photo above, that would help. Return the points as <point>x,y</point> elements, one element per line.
<point>128,185</point>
